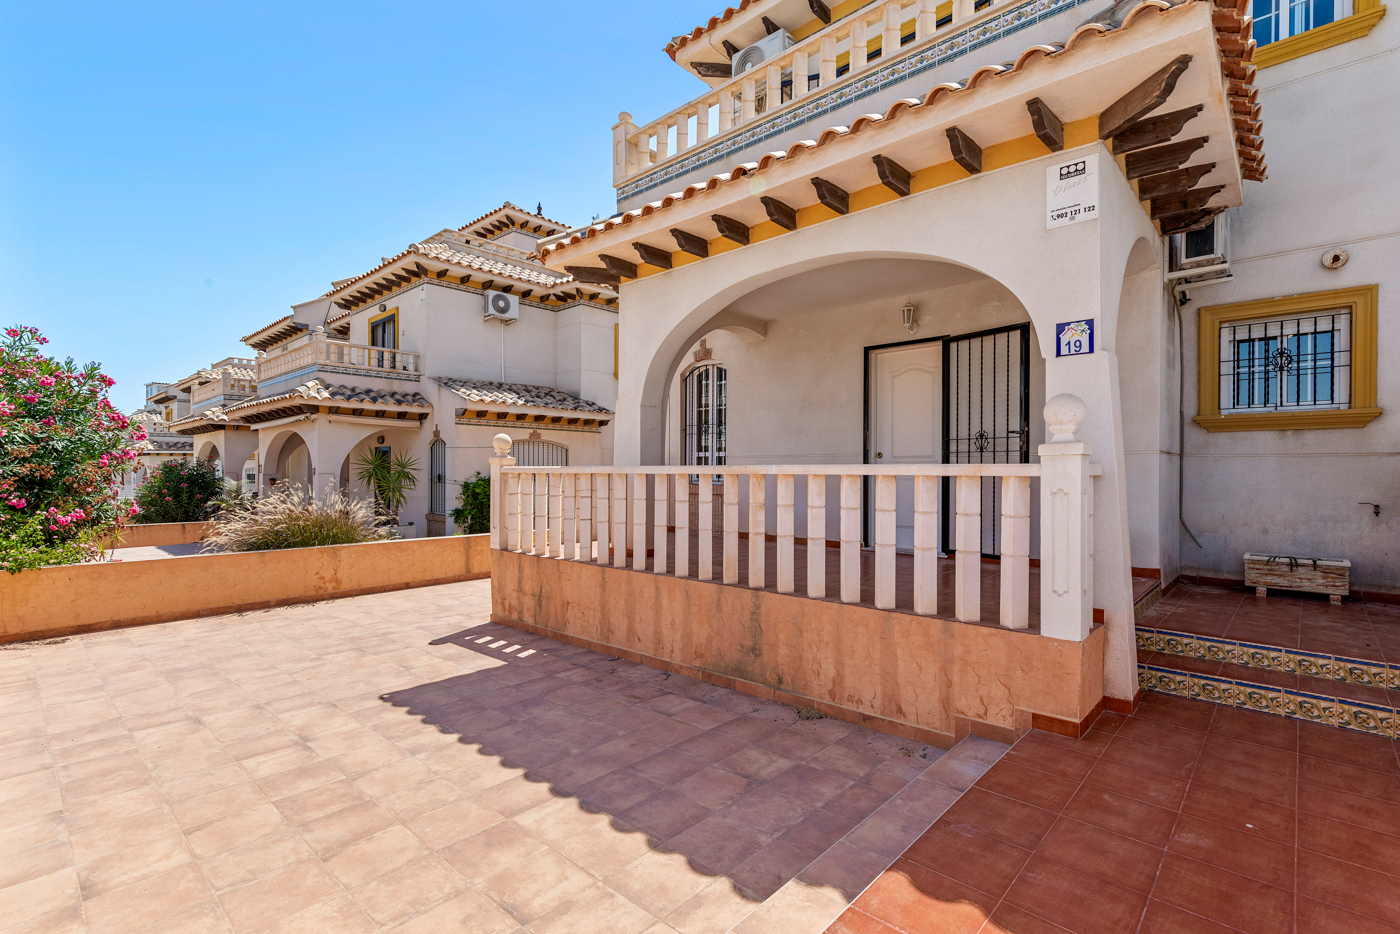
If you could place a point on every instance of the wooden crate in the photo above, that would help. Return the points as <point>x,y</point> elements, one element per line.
<point>1331,576</point>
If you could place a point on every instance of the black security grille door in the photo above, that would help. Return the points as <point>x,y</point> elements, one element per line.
<point>986,416</point>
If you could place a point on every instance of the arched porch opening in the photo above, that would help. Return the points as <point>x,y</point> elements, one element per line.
<point>288,460</point>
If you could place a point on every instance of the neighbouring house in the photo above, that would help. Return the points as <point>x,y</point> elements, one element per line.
<point>920,304</point>
<point>429,354</point>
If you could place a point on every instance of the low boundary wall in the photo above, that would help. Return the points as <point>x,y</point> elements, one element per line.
<point>931,680</point>
<point>156,534</point>
<point>56,601</point>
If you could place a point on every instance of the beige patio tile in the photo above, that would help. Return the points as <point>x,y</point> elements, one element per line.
<point>344,827</point>
<point>31,900</point>
<point>595,910</point>
<point>337,915</point>
<point>715,908</point>
<point>375,855</point>
<point>148,900</point>
<point>659,882</point>
<point>222,835</point>
<point>122,867</point>
<point>532,887</point>
<point>413,887</point>
<point>203,917</point>
<point>444,826</point>
<point>235,799</point>
<point>277,896</point>
<point>468,911</point>
<point>255,859</point>
<point>36,861</point>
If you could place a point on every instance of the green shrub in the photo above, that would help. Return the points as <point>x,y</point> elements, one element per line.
<point>473,516</point>
<point>289,517</point>
<point>178,491</point>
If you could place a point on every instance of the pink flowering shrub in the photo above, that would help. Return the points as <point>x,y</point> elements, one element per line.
<point>62,451</point>
<point>178,491</point>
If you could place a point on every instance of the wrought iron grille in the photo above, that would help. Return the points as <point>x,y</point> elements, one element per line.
<point>1286,363</point>
<point>706,399</point>
<point>537,453</point>
<point>437,469</point>
<point>986,414</point>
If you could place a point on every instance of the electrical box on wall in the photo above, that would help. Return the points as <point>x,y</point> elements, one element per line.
<point>502,306</point>
<point>1208,246</point>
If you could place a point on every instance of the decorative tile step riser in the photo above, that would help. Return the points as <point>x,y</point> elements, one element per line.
<point>1283,702</point>
<point>1270,657</point>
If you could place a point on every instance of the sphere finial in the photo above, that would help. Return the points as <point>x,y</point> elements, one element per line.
<point>1063,416</point>
<point>502,444</point>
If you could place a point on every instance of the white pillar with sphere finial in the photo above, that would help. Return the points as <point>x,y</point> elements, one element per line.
<point>1066,524</point>
<point>502,445</point>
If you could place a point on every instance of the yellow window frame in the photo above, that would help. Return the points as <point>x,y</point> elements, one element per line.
<point>1365,15</point>
<point>1361,302</point>
<point>369,326</point>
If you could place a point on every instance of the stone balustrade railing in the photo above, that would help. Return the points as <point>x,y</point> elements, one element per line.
<point>760,90</point>
<point>316,349</point>
<point>600,514</point>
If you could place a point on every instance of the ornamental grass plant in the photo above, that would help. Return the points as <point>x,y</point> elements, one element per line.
<point>290,517</point>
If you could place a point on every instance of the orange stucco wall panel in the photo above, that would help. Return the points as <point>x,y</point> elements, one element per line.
<point>915,670</point>
<point>159,534</point>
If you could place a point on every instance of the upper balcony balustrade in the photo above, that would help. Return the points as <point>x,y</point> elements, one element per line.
<point>317,351</point>
<point>228,385</point>
<point>878,31</point>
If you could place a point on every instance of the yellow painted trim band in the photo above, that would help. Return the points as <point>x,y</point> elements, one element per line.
<point>1368,14</point>
<point>1362,302</point>
<point>369,325</point>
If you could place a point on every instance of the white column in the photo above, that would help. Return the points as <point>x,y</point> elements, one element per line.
<point>967,570</point>
<point>639,522</point>
<point>731,528</point>
<point>602,499</point>
<point>702,122</point>
<point>758,530</point>
<point>884,542</point>
<point>624,162</point>
<point>749,90</point>
<point>963,10</point>
<point>682,133</point>
<point>585,517</point>
<point>799,73</point>
<point>661,492</point>
<point>787,491</point>
<point>726,112</point>
<point>773,93</point>
<point>926,545</point>
<point>1015,552</point>
<point>850,538</point>
<point>858,49</point>
<point>889,37</point>
<point>705,526</point>
<point>828,61</point>
<point>554,497</point>
<point>925,19</point>
<point>619,520</point>
<point>512,505</point>
<point>663,141</point>
<point>816,536</point>
<point>499,498</point>
<point>681,484</point>
<point>1066,524</point>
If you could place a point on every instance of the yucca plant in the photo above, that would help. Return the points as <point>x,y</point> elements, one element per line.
<point>391,478</point>
<point>290,517</point>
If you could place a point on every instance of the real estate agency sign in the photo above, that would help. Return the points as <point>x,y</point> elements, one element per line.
<point>1072,192</point>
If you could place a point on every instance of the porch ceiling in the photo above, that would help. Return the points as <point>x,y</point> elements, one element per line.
<point>845,284</point>
<point>1079,83</point>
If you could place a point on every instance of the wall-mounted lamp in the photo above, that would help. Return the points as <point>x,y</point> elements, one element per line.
<point>910,315</point>
<point>1375,508</point>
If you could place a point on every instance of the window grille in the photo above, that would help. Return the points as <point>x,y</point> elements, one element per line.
<point>437,461</point>
<point>706,392</point>
<point>1283,364</point>
<point>536,453</point>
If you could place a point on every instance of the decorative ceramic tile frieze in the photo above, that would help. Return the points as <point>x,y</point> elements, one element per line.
<point>1283,702</point>
<point>875,79</point>
<point>1270,657</point>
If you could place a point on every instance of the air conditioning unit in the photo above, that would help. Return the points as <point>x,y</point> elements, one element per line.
<point>762,50</point>
<point>502,306</point>
<point>1197,249</point>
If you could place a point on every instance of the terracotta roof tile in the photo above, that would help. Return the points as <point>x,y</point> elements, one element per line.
<point>680,42</point>
<point>507,206</point>
<point>487,392</point>
<point>317,391</point>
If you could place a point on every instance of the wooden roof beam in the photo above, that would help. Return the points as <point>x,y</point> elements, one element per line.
<point>1153,131</point>
<point>1173,182</point>
<point>713,69</point>
<point>1143,99</point>
<point>820,10</point>
<point>730,48</point>
<point>731,229</point>
<point>769,27</point>
<point>832,195</point>
<point>1184,223</point>
<point>619,266</point>
<point>893,176</point>
<point>1162,158</point>
<point>966,153</point>
<point>652,255</point>
<point>593,275</point>
<point>690,243</point>
<point>779,213</point>
<point>1049,128</point>
<point>1184,203</point>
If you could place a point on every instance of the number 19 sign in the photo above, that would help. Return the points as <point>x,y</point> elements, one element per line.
<point>1074,338</point>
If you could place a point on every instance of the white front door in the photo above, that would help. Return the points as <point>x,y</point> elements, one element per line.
<point>906,411</point>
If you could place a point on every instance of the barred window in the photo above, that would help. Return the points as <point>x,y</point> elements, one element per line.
<point>706,391</point>
<point>536,453</point>
<point>1286,364</point>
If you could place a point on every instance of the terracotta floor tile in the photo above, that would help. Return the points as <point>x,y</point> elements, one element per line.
<point>1017,823</point>
<point>226,833</point>
<point>1356,888</point>
<point>1316,917</point>
<point>769,869</point>
<point>1110,856</point>
<point>1236,850</point>
<point>595,910</point>
<point>847,868</point>
<point>559,819</point>
<point>665,814</point>
<point>1224,897</point>
<point>1349,747</point>
<point>1074,899</point>
<point>34,862</point>
<point>766,810</point>
<point>1338,804</point>
<point>1028,785</point>
<point>855,921</point>
<point>1161,918</point>
<point>1122,815</point>
<point>716,907</point>
<point>604,848</point>
<point>1243,813</point>
<point>123,867</point>
<point>918,901</point>
<point>856,802</point>
<point>969,856</point>
<point>1044,757</point>
<point>327,834</point>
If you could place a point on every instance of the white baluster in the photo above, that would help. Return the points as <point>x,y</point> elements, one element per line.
<point>967,571</point>
<point>527,513</point>
<point>682,133</point>
<point>748,92</point>
<point>858,46</point>
<point>585,517</point>
<point>758,529</point>
<point>889,37</point>
<point>884,542</point>
<point>787,493</point>
<point>926,545</point>
<point>663,141</point>
<point>850,538</point>
<point>541,543</point>
<point>1015,552</point>
<point>731,529</point>
<point>828,61</point>
<point>702,122</point>
<point>513,512</point>
<point>681,483</point>
<point>554,494</point>
<point>705,539</point>
<point>639,522</point>
<point>773,93</point>
<point>799,73</point>
<point>926,19</point>
<point>602,500</point>
<point>726,112</point>
<point>660,495</point>
<point>619,520</point>
<point>816,536</point>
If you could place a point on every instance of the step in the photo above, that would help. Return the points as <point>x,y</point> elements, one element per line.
<point>1349,693</point>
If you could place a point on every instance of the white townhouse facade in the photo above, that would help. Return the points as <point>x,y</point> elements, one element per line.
<point>405,358</point>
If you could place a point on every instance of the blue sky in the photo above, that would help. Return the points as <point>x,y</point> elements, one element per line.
<point>174,176</point>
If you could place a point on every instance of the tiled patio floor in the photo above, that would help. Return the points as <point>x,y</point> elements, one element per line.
<point>395,762</point>
<point>1186,818</point>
